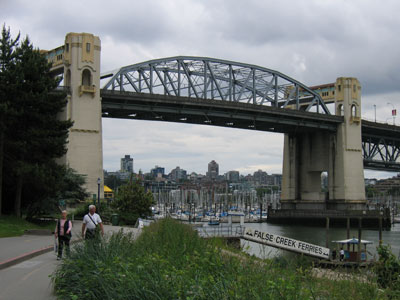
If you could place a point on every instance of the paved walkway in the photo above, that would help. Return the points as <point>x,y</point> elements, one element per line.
<point>27,261</point>
<point>16,249</point>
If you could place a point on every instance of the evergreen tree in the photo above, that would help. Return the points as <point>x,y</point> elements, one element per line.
<point>51,186</point>
<point>34,136</point>
<point>72,190</point>
<point>37,135</point>
<point>7,65</point>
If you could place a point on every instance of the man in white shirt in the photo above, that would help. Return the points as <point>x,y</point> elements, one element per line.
<point>341,254</point>
<point>90,223</point>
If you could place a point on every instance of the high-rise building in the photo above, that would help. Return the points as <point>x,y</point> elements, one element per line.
<point>127,164</point>
<point>213,170</point>
<point>157,172</point>
<point>178,174</point>
<point>260,177</point>
<point>232,176</point>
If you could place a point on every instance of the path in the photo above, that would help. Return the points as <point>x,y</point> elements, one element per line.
<point>28,275</point>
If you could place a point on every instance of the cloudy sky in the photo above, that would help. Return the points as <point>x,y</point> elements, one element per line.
<point>313,41</point>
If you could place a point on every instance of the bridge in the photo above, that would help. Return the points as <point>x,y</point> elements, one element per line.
<point>215,92</point>
<point>322,125</point>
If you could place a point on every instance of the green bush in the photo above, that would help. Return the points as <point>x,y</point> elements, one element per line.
<point>388,270</point>
<point>132,202</point>
<point>82,209</point>
<point>170,261</point>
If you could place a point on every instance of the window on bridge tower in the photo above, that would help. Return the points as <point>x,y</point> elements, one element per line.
<point>340,111</point>
<point>86,78</point>
<point>324,182</point>
<point>353,111</point>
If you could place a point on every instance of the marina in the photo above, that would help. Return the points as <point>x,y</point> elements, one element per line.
<point>225,212</point>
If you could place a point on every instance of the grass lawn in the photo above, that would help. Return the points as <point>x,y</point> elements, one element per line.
<point>13,226</point>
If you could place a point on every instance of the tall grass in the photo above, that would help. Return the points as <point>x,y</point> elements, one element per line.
<point>169,261</point>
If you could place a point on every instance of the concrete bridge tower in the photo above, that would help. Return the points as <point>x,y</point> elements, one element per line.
<point>81,64</point>
<point>346,182</point>
<point>339,154</point>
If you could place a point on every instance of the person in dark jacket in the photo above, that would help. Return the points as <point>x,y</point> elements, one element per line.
<point>63,233</point>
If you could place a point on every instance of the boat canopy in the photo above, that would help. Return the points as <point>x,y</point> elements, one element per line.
<point>352,241</point>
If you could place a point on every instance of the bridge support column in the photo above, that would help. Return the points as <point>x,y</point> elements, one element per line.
<point>305,158</point>
<point>346,183</point>
<point>82,77</point>
<point>307,155</point>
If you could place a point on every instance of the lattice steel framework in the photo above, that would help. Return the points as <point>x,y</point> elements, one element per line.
<point>381,146</point>
<point>207,78</point>
<point>382,154</point>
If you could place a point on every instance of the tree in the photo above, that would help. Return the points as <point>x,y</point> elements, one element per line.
<point>370,191</point>
<point>72,189</point>
<point>7,62</point>
<point>387,269</point>
<point>113,182</point>
<point>133,202</point>
<point>33,135</point>
<point>59,183</point>
<point>43,185</point>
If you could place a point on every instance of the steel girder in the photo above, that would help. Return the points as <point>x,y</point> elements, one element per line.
<point>381,154</point>
<point>142,106</point>
<point>208,78</point>
<point>381,146</point>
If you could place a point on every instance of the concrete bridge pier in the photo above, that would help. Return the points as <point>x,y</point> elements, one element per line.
<point>339,154</point>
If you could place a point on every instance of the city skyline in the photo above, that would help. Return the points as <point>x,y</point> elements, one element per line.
<point>156,168</point>
<point>313,42</point>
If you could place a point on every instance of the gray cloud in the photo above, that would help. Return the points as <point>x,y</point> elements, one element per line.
<point>310,40</point>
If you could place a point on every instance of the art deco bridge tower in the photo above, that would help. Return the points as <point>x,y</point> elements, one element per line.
<point>79,61</point>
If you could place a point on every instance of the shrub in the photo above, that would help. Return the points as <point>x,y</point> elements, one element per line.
<point>170,261</point>
<point>388,269</point>
<point>105,210</point>
<point>132,202</point>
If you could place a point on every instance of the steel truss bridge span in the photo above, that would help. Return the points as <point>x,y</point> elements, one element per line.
<point>380,146</point>
<point>216,92</point>
<point>208,78</point>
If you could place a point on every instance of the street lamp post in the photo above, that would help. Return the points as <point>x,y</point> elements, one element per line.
<point>394,112</point>
<point>375,111</point>
<point>98,193</point>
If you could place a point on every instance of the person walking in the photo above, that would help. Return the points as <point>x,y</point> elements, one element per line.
<point>63,233</point>
<point>341,254</point>
<point>90,224</point>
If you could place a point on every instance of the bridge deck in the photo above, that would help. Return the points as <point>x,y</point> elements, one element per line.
<point>141,106</point>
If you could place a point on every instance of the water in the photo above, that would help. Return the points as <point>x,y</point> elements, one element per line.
<point>317,236</point>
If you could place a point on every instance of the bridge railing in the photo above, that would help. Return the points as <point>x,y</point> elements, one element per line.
<point>328,213</point>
